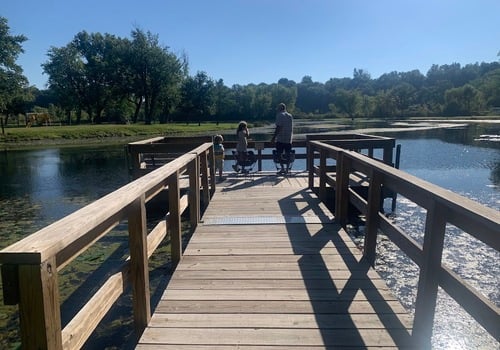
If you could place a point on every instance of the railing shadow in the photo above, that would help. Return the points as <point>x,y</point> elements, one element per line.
<point>341,298</point>
<point>442,208</point>
<point>236,183</point>
<point>107,333</point>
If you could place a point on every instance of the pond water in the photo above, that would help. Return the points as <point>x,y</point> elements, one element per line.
<point>41,186</point>
<point>453,160</point>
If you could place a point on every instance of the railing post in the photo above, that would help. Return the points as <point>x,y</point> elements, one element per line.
<point>259,159</point>
<point>310,163</point>
<point>425,304</point>
<point>135,158</point>
<point>211,158</point>
<point>372,219</point>
<point>388,153</point>
<point>139,270</point>
<point>39,308</point>
<point>322,175</point>
<point>204,178</point>
<point>342,188</point>
<point>194,192</point>
<point>174,222</point>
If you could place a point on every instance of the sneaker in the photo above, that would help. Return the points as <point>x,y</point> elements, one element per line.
<point>235,168</point>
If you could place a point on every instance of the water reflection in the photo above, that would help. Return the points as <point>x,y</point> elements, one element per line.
<point>60,180</point>
<point>45,185</point>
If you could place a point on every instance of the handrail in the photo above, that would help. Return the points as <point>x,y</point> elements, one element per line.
<point>149,154</point>
<point>30,267</point>
<point>442,207</point>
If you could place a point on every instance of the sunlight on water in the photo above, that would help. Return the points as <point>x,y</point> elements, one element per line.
<point>466,256</point>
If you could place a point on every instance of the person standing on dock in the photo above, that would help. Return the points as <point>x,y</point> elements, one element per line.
<point>283,137</point>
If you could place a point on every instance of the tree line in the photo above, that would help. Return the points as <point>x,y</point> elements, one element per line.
<point>99,78</point>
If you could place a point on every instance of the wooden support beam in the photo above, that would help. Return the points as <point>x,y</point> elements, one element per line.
<point>322,175</point>
<point>194,192</point>
<point>204,178</point>
<point>39,310</point>
<point>174,222</point>
<point>425,304</point>
<point>10,286</point>
<point>310,164</point>
<point>342,189</point>
<point>211,168</point>
<point>372,218</point>
<point>139,270</point>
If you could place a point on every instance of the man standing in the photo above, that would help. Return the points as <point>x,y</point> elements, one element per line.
<point>283,137</point>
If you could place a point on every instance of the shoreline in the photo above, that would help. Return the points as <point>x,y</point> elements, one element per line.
<point>334,126</point>
<point>42,143</point>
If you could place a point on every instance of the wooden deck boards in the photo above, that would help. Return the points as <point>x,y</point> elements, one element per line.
<point>277,283</point>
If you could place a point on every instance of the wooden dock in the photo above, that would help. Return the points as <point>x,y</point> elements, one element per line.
<point>268,268</point>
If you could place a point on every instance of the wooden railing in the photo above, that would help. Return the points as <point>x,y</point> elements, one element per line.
<point>442,207</point>
<point>30,267</point>
<point>149,154</point>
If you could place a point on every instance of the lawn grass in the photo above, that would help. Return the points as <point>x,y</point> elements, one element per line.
<point>22,136</point>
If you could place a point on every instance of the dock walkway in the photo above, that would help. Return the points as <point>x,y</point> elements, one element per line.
<point>267,268</point>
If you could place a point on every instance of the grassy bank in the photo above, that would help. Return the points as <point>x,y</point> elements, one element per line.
<point>21,137</point>
<point>77,134</point>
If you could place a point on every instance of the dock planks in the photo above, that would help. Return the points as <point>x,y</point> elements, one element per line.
<point>268,269</point>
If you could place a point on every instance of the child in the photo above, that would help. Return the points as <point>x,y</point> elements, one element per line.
<point>242,134</point>
<point>219,155</point>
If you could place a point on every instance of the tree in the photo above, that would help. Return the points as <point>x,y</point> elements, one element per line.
<point>403,96</point>
<point>224,103</point>
<point>66,78</point>
<point>414,78</point>
<point>12,80</point>
<point>489,86</point>
<point>243,97</point>
<point>156,73</point>
<point>18,104</point>
<point>385,106</point>
<point>361,81</point>
<point>198,97</point>
<point>312,97</point>
<point>282,94</point>
<point>86,73</point>
<point>262,103</point>
<point>102,55</point>
<point>461,101</point>
<point>287,83</point>
<point>347,102</point>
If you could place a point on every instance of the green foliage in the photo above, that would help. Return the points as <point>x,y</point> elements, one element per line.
<point>155,75</point>
<point>198,97</point>
<point>463,100</point>
<point>96,133</point>
<point>12,81</point>
<point>101,74</point>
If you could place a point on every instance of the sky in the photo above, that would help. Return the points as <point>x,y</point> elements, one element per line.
<point>261,41</point>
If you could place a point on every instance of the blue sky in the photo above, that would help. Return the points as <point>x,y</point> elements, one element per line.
<point>254,41</point>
